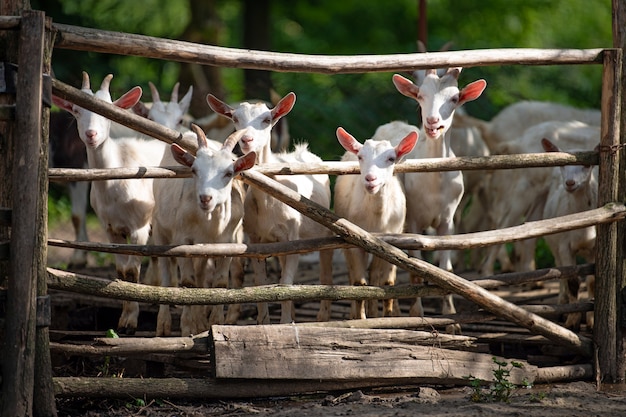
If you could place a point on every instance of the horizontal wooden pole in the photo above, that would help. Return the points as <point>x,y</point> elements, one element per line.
<point>610,213</point>
<point>86,39</point>
<point>466,163</point>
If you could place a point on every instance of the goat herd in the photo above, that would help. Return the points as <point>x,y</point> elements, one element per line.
<point>210,207</point>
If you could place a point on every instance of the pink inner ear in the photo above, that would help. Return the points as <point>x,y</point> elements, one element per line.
<point>549,146</point>
<point>181,156</point>
<point>218,106</point>
<point>348,141</point>
<point>283,107</point>
<point>473,90</point>
<point>405,86</point>
<point>129,99</point>
<point>406,145</point>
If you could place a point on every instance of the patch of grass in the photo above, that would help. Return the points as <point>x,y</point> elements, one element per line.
<point>501,389</point>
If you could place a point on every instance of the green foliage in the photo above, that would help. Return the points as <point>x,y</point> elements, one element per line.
<point>501,389</point>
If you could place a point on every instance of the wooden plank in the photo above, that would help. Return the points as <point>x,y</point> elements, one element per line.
<point>310,353</point>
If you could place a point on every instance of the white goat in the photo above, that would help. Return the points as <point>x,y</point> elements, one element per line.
<point>374,201</point>
<point>206,208</point>
<point>520,195</point>
<point>433,197</point>
<point>268,220</point>
<point>124,207</point>
<point>572,189</point>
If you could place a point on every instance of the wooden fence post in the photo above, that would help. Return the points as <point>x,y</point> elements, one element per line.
<point>608,272</point>
<point>27,257</point>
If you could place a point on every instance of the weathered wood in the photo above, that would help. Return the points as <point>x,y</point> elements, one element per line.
<point>607,271</point>
<point>27,242</point>
<point>135,346</point>
<point>619,41</point>
<point>293,351</point>
<point>102,287</point>
<point>77,38</point>
<point>465,163</point>
<point>44,403</point>
<point>579,372</point>
<point>206,388</point>
<point>609,213</point>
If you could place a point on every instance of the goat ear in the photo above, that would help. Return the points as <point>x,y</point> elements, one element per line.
<point>64,104</point>
<point>406,145</point>
<point>129,99</point>
<point>283,107</point>
<point>140,109</point>
<point>405,86</point>
<point>218,106</point>
<point>245,162</point>
<point>549,146</point>
<point>348,141</point>
<point>472,91</point>
<point>182,156</point>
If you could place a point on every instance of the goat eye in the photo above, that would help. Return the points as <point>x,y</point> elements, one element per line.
<point>235,119</point>
<point>267,120</point>
<point>455,99</point>
<point>228,174</point>
<point>420,97</point>
<point>391,159</point>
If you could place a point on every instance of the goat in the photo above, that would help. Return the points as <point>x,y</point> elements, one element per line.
<point>374,201</point>
<point>268,220</point>
<point>433,197</point>
<point>518,198</point>
<point>206,208</point>
<point>572,189</point>
<point>124,207</point>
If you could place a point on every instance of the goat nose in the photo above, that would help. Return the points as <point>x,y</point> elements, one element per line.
<point>432,120</point>
<point>370,177</point>
<point>247,139</point>
<point>570,183</point>
<point>205,199</point>
<point>91,133</point>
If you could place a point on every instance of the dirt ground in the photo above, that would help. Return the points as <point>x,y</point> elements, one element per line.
<point>580,398</point>
<point>571,399</point>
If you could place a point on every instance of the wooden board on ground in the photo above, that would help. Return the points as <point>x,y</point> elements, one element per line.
<point>300,352</point>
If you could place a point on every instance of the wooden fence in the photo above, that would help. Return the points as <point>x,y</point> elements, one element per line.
<point>26,335</point>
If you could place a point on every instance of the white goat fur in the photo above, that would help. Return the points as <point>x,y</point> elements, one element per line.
<point>374,201</point>
<point>529,184</point>
<point>572,189</point>
<point>433,197</point>
<point>266,219</point>
<point>124,207</point>
<point>511,122</point>
<point>206,208</point>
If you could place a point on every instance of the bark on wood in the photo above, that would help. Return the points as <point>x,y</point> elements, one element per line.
<point>607,271</point>
<point>77,38</point>
<point>27,242</point>
<point>82,284</point>
<point>609,213</point>
<point>619,41</point>
<point>335,167</point>
<point>293,351</point>
<point>221,389</point>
